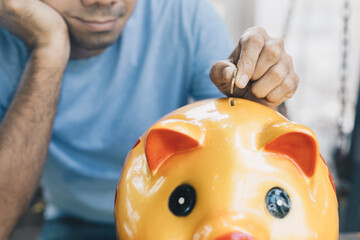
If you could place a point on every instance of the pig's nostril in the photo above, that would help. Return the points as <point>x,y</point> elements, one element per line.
<point>235,236</point>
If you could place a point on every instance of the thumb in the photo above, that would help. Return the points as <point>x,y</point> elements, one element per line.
<point>221,74</point>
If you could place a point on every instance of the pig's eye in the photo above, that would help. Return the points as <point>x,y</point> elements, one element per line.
<point>182,200</point>
<point>278,202</point>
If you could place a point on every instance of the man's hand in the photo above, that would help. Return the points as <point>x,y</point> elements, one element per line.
<point>36,23</point>
<point>265,72</point>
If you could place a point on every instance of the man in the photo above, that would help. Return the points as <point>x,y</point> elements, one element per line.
<point>83,79</point>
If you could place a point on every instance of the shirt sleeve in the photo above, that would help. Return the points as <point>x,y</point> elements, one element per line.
<point>13,57</point>
<point>213,43</point>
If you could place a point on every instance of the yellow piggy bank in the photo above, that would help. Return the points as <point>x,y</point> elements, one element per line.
<point>212,171</point>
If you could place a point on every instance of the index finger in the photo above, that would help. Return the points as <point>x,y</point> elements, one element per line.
<point>251,47</point>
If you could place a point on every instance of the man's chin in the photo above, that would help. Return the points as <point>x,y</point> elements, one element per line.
<point>92,43</point>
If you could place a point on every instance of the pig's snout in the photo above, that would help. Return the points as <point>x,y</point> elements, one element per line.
<point>235,236</point>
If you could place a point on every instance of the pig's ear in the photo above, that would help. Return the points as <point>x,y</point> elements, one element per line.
<point>297,143</point>
<point>163,142</point>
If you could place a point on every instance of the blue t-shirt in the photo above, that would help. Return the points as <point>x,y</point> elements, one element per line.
<point>161,59</point>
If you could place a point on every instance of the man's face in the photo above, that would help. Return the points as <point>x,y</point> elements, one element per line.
<point>94,24</point>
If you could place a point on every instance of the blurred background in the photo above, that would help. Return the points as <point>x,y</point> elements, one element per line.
<point>314,33</point>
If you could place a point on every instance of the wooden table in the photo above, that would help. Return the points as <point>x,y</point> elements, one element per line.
<point>350,236</point>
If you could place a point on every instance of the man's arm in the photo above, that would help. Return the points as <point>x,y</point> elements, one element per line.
<point>25,130</point>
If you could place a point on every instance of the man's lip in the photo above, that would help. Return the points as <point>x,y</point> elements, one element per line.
<point>98,25</point>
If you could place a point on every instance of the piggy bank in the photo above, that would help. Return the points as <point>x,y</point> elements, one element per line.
<point>212,171</point>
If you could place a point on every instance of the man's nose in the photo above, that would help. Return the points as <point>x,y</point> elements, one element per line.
<point>100,2</point>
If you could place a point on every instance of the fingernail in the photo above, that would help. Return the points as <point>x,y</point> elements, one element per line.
<point>242,81</point>
<point>228,71</point>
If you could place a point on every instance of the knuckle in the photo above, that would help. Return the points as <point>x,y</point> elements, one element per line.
<point>257,92</point>
<point>277,75</point>
<point>273,52</point>
<point>279,41</point>
<point>257,29</point>
<point>295,84</point>
<point>297,80</point>
<point>273,98</point>
<point>256,40</point>
<point>287,86</point>
<point>253,39</point>
<point>286,62</point>
<point>270,98</point>
<point>290,95</point>
<point>244,39</point>
<point>248,66</point>
<point>289,59</point>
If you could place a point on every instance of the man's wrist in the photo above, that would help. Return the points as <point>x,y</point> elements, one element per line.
<point>54,54</point>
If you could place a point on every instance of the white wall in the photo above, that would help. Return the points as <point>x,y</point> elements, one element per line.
<point>238,15</point>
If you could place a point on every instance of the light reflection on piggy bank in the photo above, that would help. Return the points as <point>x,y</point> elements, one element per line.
<point>211,171</point>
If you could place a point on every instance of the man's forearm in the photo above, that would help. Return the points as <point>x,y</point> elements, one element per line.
<point>25,133</point>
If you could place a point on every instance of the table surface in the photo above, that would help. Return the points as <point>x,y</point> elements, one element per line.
<point>350,236</point>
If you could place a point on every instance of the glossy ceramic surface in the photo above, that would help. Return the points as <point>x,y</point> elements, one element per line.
<point>211,171</point>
